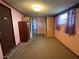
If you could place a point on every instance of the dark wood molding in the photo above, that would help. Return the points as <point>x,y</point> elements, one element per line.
<point>12,6</point>
<point>67,47</point>
<point>74,6</point>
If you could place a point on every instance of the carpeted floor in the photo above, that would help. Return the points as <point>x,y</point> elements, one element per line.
<point>42,48</point>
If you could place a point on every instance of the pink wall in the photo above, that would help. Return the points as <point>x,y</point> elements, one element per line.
<point>1,55</point>
<point>16,16</point>
<point>72,42</point>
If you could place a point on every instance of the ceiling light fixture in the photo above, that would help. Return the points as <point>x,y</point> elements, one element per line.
<point>37,8</point>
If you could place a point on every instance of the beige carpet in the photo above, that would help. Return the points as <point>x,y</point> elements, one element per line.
<point>42,48</point>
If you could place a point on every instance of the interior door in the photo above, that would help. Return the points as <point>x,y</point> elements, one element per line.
<point>24,31</point>
<point>6,30</point>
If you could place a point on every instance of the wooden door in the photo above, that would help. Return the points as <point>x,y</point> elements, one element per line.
<point>24,31</point>
<point>50,27</point>
<point>6,30</point>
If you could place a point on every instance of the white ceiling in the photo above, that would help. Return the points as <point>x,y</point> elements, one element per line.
<point>49,7</point>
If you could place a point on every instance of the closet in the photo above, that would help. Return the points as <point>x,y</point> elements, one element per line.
<point>50,26</point>
<point>24,31</point>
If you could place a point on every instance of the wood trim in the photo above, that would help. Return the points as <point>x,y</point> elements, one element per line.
<point>12,6</point>
<point>46,25</point>
<point>12,28</point>
<point>45,19</point>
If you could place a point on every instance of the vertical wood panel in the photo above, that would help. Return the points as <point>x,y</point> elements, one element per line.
<point>50,27</point>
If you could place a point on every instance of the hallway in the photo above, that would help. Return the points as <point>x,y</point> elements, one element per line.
<point>43,25</point>
<point>42,48</point>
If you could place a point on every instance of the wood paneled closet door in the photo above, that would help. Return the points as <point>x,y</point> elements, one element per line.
<point>6,30</point>
<point>24,31</point>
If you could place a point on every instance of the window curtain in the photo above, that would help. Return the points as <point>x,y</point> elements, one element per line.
<point>57,23</point>
<point>71,22</point>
